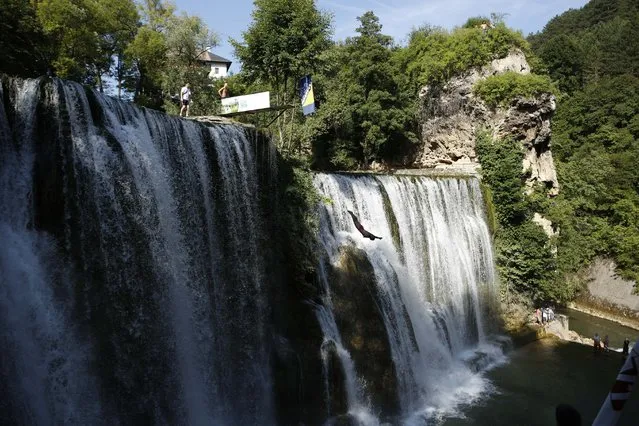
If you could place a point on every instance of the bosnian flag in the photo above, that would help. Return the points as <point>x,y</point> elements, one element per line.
<point>306,93</point>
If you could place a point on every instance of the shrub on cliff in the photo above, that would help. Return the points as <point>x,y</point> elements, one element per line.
<point>523,253</point>
<point>501,89</point>
<point>434,55</point>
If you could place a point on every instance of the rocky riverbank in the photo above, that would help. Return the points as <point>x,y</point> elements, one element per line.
<point>519,322</point>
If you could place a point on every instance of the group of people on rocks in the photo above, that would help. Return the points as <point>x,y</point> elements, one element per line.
<point>597,344</point>
<point>544,315</point>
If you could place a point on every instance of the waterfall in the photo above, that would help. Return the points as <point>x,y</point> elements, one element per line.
<point>47,359</point>
<point>153,271</point>
<point>133,270</point>
<point>434,279</point>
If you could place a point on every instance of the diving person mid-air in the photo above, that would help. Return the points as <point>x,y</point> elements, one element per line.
<point>361,229</point>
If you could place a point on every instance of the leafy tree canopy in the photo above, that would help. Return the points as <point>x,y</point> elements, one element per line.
<point>366,113</point>
<point>284,41</point>
<point>23,45</point>
<point>435,55</point>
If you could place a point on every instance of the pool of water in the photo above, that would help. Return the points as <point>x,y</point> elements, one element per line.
<point>587,325</point>
<point>541,375</point>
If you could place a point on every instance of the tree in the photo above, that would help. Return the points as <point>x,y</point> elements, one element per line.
<point>87,35</point>
<point>73,29</point>
<point>564,59</point>
<point>164,54</point>
<point>23,45</point>
<point>146,54</point>
<point>118,25</point>
<point>366,114</point>
<point>283,43</point>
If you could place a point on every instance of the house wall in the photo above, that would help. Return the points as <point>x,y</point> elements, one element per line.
<point>222,72</point>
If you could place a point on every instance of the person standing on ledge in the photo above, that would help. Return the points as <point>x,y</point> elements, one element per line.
<point>626,345</point>
<point>185,97</point>
<point>224,90</point>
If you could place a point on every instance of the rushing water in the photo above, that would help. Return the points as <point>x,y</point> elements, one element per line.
<point>107,315</point>
<point>435,263</point>
<point>141,282</point>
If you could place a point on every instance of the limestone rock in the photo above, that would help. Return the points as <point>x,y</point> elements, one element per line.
<point>451,115</point>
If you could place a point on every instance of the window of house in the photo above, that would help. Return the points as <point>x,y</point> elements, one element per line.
<point>216,70</point>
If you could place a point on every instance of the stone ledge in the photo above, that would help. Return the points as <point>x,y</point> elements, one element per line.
<point>216,119</point>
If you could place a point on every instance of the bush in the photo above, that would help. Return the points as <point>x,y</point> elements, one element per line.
<point>501,89</point>
<point>435,55</point>
<point>524,254</point>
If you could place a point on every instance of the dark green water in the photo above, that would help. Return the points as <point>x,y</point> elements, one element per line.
<point>587,325</point>
<point>543,374</point>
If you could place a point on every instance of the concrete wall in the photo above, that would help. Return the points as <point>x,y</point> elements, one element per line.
<point>606,285</point>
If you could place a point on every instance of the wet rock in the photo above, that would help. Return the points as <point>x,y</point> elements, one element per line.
<point>337,399</point>
<point>361,324</point>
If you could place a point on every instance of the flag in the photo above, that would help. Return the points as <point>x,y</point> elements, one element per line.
<point>306,93</point>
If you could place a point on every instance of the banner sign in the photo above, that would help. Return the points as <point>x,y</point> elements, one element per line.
<point>252,102</point>
<point>306,93</point>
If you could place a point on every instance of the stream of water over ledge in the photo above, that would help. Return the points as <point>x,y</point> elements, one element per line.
<point>146,279</point>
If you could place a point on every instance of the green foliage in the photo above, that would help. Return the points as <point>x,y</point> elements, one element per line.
<point>23,45</point>
<point>501,89</point>
<point>87,35</point>
<point>584,45</point>
<point>283,42</point>
<point>596,143</point>
<point>564,59</point>
<point>525,261</point>
<point>164,55</point>
<point>487,196</point>
<point>434,56</point>
<point>501,171</point>
<point>592,54</point>
<point>146,55</point>
<point>366,113</point>
<point>300,214</point>
<point>524,254</point>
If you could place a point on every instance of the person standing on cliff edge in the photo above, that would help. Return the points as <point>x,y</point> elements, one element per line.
<point>185,97</point>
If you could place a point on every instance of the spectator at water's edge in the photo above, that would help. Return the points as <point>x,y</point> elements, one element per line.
<point>597,343</point>
<point>626,347</point>
<point>606,343</point>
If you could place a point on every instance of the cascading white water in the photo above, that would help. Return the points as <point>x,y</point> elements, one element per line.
<point>161,222</point>
<point>134,250</point>
<point>435,263</point>
<point>41,347</point>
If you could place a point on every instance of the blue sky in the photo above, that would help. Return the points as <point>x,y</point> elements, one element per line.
<point>229,18</point>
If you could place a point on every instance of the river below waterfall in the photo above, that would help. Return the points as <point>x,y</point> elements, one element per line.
<point>543,374</point>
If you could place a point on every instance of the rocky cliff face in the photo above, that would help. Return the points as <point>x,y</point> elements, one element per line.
<point>451,114</point>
